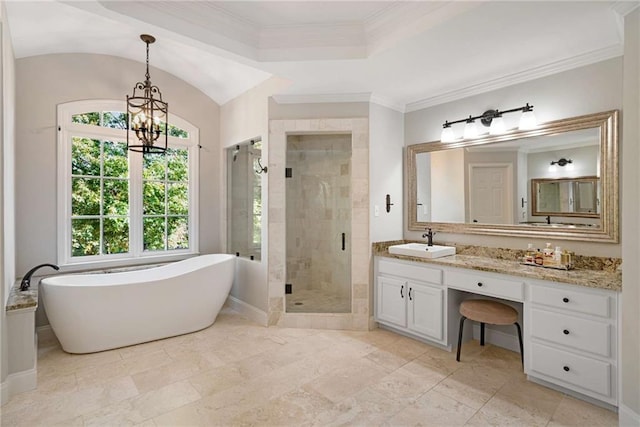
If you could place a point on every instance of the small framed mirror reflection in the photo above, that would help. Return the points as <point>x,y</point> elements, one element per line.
<point>559,180</point>
<point>566,197</point>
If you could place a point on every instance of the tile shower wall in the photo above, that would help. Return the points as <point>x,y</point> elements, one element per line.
<point>318,211</point>
<point>279,130</point>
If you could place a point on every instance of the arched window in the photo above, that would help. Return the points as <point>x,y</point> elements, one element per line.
<point>114,204</point>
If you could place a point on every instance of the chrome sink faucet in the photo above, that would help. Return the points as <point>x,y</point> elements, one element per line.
<point>429,235</point>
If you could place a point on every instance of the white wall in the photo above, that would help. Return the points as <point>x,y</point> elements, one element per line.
<point>241,119</point>
<point>630,340</point>
<point>7,190</point>
<point>45,81</point>
<point>447,186</point>
<point>386,139</point>
<point>589,89</point>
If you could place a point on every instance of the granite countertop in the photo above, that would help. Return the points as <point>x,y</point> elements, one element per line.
<point>19,300</point>
<point>604,275</point>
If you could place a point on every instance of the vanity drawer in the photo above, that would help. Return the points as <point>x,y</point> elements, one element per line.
<point>590,374</point>
<point>582,334</point>
<point>410,271</point>
<point>577,301</point>
<point>481,284</point>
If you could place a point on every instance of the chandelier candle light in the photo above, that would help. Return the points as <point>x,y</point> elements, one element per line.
<point>147,114</point>
<point>490,118</point>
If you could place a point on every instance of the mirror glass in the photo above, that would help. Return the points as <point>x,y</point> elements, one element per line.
<point>561,176</point>
<point>244,199</point>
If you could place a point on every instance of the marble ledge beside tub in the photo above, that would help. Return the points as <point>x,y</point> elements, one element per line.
<point>592,272</point>
<point>19,300</point>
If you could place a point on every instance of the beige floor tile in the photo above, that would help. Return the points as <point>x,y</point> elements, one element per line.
<point>409,382</point>
<point>348,380</point>
<point>473,385</point>
<point>296,408</point>
<point>367,408</point>
<point>574,412</point>
<point>145,406</point>
<point>60,408</point>
<point>519,402</point>
<point>433,409</point>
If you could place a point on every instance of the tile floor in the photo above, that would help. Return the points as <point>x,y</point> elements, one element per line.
<point>317,301</point>
<point>236,373</point>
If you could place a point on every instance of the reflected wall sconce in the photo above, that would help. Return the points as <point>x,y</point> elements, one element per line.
<point>147,114</point>
<point>561,162</point>
<point>491,119</point>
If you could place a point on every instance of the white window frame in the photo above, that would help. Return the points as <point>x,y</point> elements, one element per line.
<point>136,254</point>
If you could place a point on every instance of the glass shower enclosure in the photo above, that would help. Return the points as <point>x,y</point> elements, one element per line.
<point>318,218</point>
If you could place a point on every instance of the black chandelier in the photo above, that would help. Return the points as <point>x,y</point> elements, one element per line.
<point>147,114</point>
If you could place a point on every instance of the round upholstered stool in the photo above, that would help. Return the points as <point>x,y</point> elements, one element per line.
<point>491,312</point>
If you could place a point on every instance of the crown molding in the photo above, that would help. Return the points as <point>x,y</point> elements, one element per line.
<point>624,8</point>
<point>323,98</point>
<point>339,98</point>
<point>521,77</point>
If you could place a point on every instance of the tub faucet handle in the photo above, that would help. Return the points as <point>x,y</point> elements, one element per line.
<point>26,280</point>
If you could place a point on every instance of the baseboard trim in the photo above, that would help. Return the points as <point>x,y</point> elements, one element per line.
<point>18,383</point>
<point>627,417</point>
<point>497,338</point>
<point>253,313</point>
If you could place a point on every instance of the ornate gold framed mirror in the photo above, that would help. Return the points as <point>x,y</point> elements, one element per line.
<point>487,185</point>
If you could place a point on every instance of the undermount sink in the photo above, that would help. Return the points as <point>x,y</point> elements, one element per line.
<point>421,250</point>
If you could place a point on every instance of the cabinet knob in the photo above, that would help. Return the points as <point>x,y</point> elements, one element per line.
<point>565,299</point>
<point>480,284</point>
<point>566,332</point>
<point>566,368</point>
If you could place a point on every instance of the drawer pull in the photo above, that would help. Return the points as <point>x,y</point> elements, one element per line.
<point>480,284</point>
<point>410,299</point>
<point>566,332</point>
<point>401,289</point>
<point>566,368</point>
<point>565,299</point>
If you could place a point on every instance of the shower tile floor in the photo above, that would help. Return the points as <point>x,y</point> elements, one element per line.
<point>317,301</point>
<point>236,373</point>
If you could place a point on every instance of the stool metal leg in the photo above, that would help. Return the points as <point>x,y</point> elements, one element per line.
<point>481,333</point>
<point>462,319</point>
<point>520,339</point>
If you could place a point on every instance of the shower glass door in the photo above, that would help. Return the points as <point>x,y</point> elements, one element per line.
<point>318,213</point>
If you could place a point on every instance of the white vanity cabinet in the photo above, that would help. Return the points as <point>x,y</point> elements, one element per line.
<point>571,333</point>
<point>410,298</point>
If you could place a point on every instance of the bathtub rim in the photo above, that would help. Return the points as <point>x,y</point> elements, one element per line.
<point>51,279</point>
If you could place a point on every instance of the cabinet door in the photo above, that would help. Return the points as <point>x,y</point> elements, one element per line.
<point>391,301</point>
<point>425,310</point>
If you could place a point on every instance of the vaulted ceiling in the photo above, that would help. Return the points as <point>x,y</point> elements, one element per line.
<point>404,54</point>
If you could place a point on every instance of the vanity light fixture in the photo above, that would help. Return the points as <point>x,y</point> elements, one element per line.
<point>492,119</point>
<point>562,162</point>
<point>147,114</point>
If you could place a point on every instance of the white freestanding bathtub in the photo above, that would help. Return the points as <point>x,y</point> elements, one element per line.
<point>95,312</point>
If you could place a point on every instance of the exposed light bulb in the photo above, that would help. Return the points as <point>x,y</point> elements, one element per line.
<point>447,135</point>
<point>527,121</point>
<point>570,167</point>
<point>552,168</point>
<point>470,130</point>
<point>497,126</point>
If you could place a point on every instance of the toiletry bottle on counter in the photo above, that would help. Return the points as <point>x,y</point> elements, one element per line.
<point>557,255</point>
<point>547,255</point>
<point>529,255</point>
<point>538,258</point>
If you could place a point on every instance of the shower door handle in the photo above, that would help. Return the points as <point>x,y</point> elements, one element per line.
<point>343,241</point>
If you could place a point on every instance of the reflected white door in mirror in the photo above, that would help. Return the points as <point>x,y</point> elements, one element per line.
<point>570,331</point>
